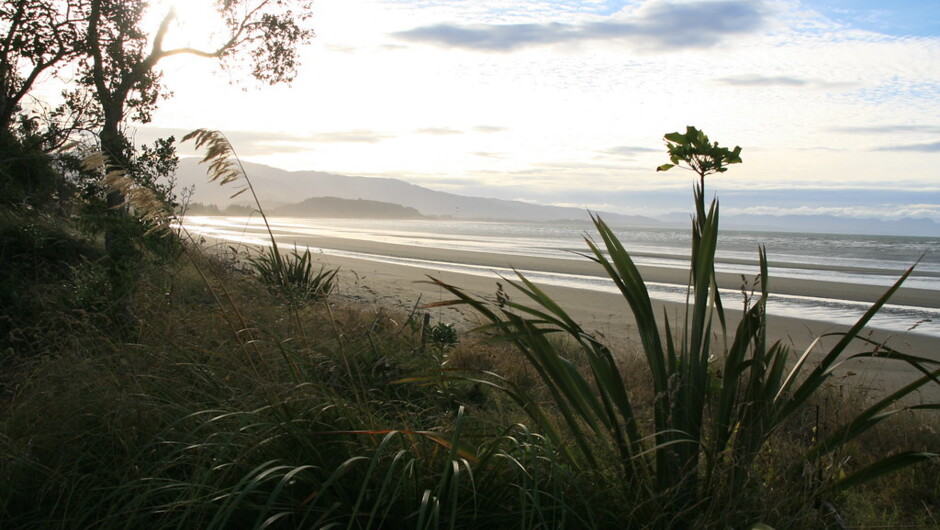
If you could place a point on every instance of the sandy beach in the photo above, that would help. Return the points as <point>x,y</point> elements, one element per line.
<point>403,287</point>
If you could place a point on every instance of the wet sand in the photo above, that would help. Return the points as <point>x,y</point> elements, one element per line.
<point>790,286</point>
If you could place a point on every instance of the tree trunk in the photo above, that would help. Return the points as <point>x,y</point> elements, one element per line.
<point>123,256</point>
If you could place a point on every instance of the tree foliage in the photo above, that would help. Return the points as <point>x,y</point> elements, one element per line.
<point>114,56</point>
<point>36,37</point>
<point>121,63</point>
<point>112,51</point>
<point>698,154</point>
<point>122,55</point>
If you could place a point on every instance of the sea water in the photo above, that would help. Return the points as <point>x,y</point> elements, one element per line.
<point>843,259</point>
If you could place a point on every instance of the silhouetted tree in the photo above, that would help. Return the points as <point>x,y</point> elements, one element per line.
<point>121,60</point>
<point>36,37</point>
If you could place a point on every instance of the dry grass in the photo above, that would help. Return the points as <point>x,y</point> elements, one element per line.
<point>84,426</point>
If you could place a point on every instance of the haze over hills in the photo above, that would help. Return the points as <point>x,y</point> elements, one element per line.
<point>278,188</point>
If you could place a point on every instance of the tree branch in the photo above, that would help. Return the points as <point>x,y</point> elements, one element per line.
<point>193,51</point>
<point>93,40</point>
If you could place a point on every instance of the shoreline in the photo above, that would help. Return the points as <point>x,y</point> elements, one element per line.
<point>404,287</point>
<point>654,274</point>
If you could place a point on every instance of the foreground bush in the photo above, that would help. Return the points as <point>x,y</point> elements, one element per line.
<point>717,405</point>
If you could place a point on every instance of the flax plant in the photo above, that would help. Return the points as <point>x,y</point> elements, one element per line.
<point>291,275</point>
<point>716,405</point>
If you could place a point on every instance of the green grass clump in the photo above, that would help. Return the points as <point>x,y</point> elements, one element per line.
<point>292,276</point>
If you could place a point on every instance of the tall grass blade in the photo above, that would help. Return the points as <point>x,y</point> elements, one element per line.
<point>815,379</point>
<point>878,469</point>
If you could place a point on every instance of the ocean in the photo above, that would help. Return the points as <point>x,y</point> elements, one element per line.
<point>840,259</point>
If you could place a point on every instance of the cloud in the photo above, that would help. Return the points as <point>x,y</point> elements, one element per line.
<point>919,148</point>
<point>487,154</point>
<point>592,206</point>
<point>757,80</point>
<point>357,136</point>
<point>439,131</point>
<point>340,48</point>
<point>628,151</point>
<point>489,128</point>
<point>440,182</point>
<point>659,25</point>
<point>889,129</point>
<point>254,143</point>
<point>449,130</point>
<point>753,80</point>
<point>246,143</point>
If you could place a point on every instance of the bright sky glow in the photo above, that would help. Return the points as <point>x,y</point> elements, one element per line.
<point>566,102</point>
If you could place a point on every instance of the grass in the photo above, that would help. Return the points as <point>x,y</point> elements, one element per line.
<point>180,428</point>
<point>228,408</point>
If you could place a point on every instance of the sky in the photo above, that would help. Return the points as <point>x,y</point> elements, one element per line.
<point>836,103</point>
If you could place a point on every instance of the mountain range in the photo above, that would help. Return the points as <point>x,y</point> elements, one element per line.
<point>278,189</point>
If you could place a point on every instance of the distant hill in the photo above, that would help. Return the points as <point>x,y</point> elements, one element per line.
<point>277,187</point>
<point>336,208</point>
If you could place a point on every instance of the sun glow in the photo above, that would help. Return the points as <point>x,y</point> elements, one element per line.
<point>196,23</point>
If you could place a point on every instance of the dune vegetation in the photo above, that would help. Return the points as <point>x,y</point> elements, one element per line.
<point>150,380</point>
<point>251,392</point>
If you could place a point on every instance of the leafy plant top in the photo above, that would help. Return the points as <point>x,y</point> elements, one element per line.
<point>701,156</point>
